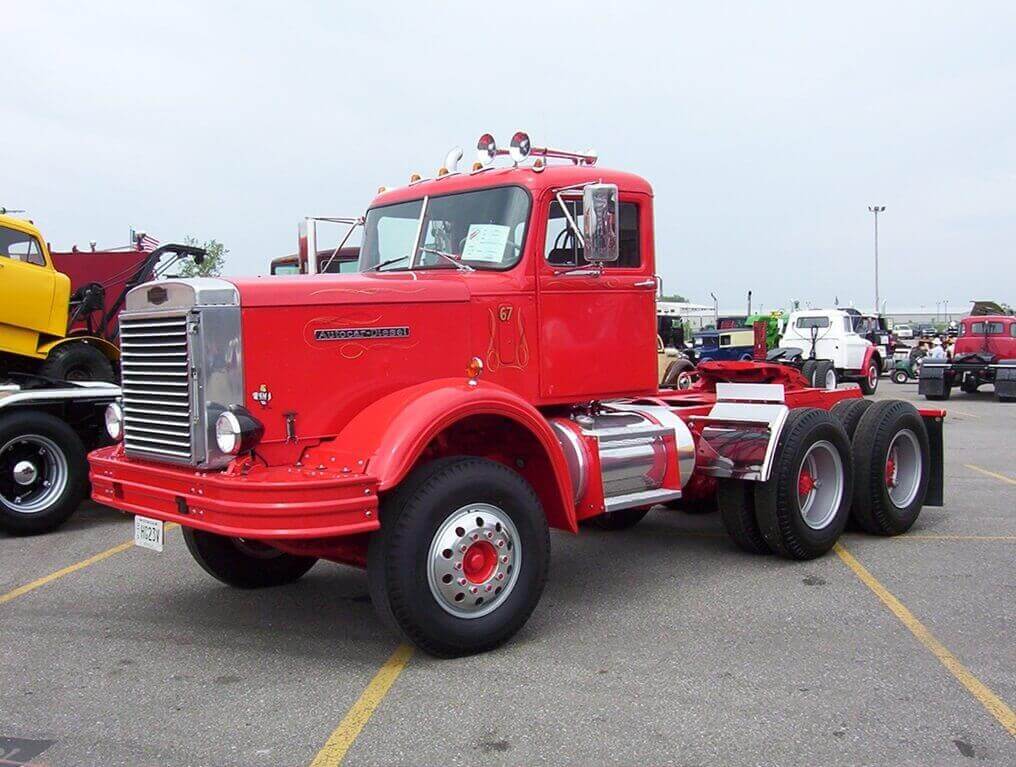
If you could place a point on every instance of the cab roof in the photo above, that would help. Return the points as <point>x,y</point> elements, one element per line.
<point>552,176</point>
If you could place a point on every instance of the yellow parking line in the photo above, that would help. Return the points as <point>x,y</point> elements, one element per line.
<point>992,474</point>
<point>335,748</point>
<point>995,705</point>
<point>20,590</point>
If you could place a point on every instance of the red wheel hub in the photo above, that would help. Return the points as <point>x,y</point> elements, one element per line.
<point>805,482</point>
<point>479,562</point>
<point>890,471</point>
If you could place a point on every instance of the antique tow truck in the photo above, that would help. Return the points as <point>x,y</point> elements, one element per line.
<point>489,373</point>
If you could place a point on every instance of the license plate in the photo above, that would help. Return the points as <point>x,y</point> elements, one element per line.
<point>148,533</point>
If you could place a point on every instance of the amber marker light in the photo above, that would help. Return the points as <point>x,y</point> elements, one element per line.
<point>473,370</point>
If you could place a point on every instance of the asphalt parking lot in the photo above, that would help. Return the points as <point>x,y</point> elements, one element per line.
<point>659,645</point>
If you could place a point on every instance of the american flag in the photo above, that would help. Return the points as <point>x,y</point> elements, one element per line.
<point>144,241</point>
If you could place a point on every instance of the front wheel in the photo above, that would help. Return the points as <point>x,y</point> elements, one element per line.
<point>77,361</point>
<point>461,558</point>
<point>43,472</point>
<point>869,382</point>
<point>900,377</point>
<point>242,562</point>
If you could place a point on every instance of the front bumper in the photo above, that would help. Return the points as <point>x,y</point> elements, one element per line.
<point>278,502</point>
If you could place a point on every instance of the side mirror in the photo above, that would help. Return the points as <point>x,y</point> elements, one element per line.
<point>601,223</point>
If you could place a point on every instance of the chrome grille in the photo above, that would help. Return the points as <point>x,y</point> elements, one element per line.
<point>155,370</point>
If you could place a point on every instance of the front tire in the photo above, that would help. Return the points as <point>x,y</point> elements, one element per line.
<point>804,506</point>
<point>869,382</point>
<point>900,377</point>
<point>461,558</point>
<point>77,361</point>
<point>244,563</point>
<point>43,472</point>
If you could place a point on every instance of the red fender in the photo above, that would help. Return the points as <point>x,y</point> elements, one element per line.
<point>393,432</point>
<point>868,354</point>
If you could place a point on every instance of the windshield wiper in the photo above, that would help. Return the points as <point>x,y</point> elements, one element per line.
<point>452,259</point>
<point>386,263</point>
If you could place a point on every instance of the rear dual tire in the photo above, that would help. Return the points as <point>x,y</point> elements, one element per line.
<point>803,507</point>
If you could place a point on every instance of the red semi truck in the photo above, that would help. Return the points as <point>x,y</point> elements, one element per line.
<point>488,374</point>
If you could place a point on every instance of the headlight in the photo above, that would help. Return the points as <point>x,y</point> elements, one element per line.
<point>236,431</point>
<point>114,421</point>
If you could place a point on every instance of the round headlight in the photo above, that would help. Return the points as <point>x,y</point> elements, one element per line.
<point>114,421</point>
<point>228,433</point>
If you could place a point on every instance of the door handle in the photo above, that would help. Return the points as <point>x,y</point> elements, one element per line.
<point>645,284</point>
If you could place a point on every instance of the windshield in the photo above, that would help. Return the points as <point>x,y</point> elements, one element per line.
<point>804,323</point>
<point>480,230</point>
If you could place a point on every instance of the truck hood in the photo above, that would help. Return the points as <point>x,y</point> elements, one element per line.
<point>444,286</point>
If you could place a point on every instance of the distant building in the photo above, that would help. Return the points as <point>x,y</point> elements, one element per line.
<point>696,315</point>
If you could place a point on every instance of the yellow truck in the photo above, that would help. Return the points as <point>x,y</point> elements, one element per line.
<point>35,304</point>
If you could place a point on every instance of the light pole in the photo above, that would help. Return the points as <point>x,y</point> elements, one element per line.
<point>876,209</point>
<point>716,310</point>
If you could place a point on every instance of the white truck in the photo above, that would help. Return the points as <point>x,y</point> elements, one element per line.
<point>829,349</point>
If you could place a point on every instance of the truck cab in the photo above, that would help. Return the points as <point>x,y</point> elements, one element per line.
<point>34,296</point>
<point>488,373</point>
<point>832,335</point>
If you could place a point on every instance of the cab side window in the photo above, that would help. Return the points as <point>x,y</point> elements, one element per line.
<point>19,246</point>
<point>563,248</point>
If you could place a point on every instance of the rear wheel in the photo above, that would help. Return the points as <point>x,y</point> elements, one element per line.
<point>891,468</point>
<point>808,371</point>
<point>461,558</point>
<point>619,520</point>
<point>43,472</point>
<point>77,361</point>
<point>900,377</point>
<point>804,506</point>
<point>849,412</point>
<point>736,499</point>
<point>825,375</point>
<point>243,562</point>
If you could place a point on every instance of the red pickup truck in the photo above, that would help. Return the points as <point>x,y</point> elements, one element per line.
<point>984,353</point>
<point>488,373</point>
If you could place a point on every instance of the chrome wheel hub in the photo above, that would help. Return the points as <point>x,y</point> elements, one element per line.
<point>25,473</point>
<point>820,484</point>
<point>903,469</point>
<point>33,473</point>
<point>474,560</point>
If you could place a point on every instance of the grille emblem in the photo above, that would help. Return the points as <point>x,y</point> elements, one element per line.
<point>262,396</point>
<point>157,295</point>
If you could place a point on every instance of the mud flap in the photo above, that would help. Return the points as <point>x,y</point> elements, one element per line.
<point>936,482</point>
<point>1005,380</point>
<point>934,379</point>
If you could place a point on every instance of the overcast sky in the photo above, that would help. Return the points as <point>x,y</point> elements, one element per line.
<point>766,129</point>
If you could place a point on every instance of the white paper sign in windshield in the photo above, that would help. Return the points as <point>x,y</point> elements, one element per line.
<point>485,242</point>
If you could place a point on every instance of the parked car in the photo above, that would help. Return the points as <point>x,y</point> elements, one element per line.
<point>904,331</point>
<point>733,344</point>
